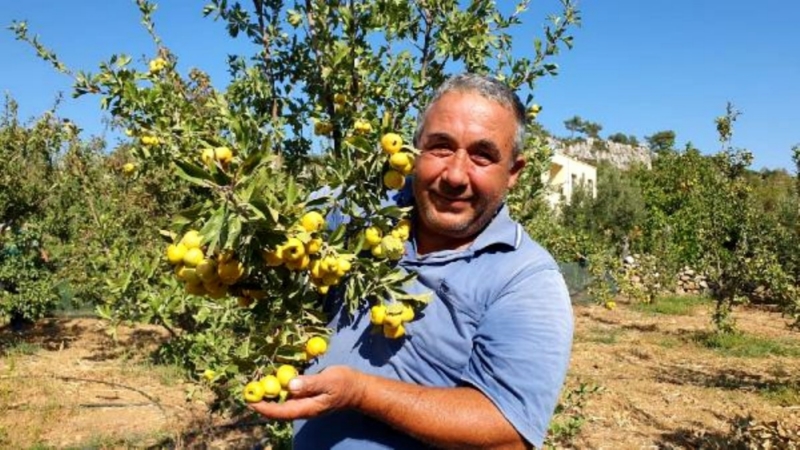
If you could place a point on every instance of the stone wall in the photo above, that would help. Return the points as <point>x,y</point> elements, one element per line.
<point>691,283</point>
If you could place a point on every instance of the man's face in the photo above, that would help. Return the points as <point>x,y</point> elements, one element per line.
<point>466,166</point>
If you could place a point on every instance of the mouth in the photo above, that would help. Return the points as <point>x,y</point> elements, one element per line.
<point>450,202</point>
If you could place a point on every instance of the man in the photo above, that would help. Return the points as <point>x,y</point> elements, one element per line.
<point>483,365</point>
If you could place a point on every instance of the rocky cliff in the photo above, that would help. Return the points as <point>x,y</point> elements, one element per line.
<point>594,150</point>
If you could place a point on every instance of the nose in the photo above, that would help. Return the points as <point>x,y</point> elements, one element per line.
<point>457,172</point>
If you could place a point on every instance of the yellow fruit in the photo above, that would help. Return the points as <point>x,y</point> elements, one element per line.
<point>392,247</point>
<point>285,374</point>
<point>230,271</point>
<point>195,289</point>
<point>377,314</point>
<point>372,236</point>
<point>316,346</point>
<point>313,246</point>
<point>401,233</point>
<point>344,266</point>
<point>300,264</point>
<point>128,168</point>
<point>330,279</point>
<point>253,392</point>
<point>611,304</point>
<point>193,257</point>
<point>215,289</point>
<point>315,267</point>
<point>223,154</point>
<point>312,221</point>
<point>329,264</point>
<point>293,250</point>
<point>323,128</point>
<point>339,98</point>
<point>362,126</point>
<point>208,156</point>
<point>206,269</point>
<point>534,111</point>
<point>378,252</point>
<point>187,274</point>
<point>209,374</point>
<point>157,65</point>
<point>393,332</point>
<point>399,160</point>
<point>175,253</point>
<point>391,143</point>
<point>150,140</point>
<point>394,180</point>
<point>192,239</point>
<point>408,313</point>
<point>273,258</point>
<point>271,385</point>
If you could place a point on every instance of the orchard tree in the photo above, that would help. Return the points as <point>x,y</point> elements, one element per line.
<point>287,169</point>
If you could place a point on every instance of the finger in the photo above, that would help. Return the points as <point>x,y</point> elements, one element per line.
<point>288,410</point>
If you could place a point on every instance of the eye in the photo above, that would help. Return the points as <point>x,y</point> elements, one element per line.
<point>482,158</point>
<point>438,148</point>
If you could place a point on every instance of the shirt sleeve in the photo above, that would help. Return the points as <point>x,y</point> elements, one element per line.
<point>521,350</point>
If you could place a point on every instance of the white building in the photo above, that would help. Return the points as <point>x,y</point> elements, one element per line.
<point>565,175</point>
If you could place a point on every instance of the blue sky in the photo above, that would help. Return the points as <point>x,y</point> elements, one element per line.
<point>638,66</point>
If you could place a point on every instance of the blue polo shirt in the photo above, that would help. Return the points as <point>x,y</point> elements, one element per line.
<point>500,320</point>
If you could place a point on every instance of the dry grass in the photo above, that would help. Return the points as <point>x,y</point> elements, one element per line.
<point>659,384</point>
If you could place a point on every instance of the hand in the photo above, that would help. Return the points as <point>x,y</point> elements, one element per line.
<point>337,387</point>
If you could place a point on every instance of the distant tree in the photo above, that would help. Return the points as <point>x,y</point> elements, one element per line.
<point>574,125</point>
<point>591,129</point>
<point>622,138</point>
<point>662,141</point>
<point>577,125</point>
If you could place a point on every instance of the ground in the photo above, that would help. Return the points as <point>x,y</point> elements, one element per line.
<point>640,378</point>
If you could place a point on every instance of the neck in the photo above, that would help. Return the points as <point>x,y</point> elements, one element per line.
<point>428,241</point>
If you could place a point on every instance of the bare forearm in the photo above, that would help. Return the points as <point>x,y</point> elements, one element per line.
<point>445,417</point>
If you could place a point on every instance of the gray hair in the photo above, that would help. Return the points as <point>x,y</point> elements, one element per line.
<point>486,87</point>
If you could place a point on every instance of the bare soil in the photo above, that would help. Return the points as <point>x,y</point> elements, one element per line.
<point>65,383</point>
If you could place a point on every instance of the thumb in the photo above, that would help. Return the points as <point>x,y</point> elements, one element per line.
<point>296,385</point>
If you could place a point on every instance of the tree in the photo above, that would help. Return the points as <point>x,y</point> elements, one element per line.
<point>662,141</point>
<point>329,85</point>
<point>574,125</point>
<point>622,138</point>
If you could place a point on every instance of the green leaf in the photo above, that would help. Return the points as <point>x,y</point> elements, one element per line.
<point>193,173</point>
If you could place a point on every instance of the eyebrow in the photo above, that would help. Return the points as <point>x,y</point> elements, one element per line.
<point>487,146</point>
<point>440,136</point>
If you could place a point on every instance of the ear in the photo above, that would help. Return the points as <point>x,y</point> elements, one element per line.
<point>516,169</point>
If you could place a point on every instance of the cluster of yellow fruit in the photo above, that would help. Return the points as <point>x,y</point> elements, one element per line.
<point>611,304</point>
<point>401,162</point>
<point>203,275</point>
<point>276,385</point>
<point>157,65</point>
<point>389,246</point>
<point>362,126</point>
<point>304,249</point>
<point>222,154</point>
<point>150,140</point>
<point>534,111</point>
<point>323,128</point>
<point>391,318</point>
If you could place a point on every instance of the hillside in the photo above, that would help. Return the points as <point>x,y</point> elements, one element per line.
<point>594,150</point>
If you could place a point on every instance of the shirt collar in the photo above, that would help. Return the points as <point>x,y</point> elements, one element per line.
<point>500,230</point>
